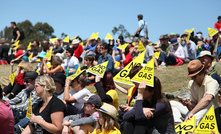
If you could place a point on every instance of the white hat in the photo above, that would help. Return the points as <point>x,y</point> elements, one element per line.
<point>75,41</point>
<point>108,109</point>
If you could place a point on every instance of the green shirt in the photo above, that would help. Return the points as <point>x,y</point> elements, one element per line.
<point>165,49</point>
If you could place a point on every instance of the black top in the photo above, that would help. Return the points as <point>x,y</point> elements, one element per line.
<point>218,118</point>
<point>58,50</point>
<point>104,97</point>
<point>54,105</point>
<point>97,56</point>
<point>88,73</point>
<point>14,34</point>
<point>162,121</point>
<point>36,51</point>
<point>4,52</point>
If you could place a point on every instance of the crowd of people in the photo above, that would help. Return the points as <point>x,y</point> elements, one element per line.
<point>64,105</point>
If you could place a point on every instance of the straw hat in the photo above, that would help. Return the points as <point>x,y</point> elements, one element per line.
<point>206,53</point>
<point>108,109</point>
<point>194,67</point>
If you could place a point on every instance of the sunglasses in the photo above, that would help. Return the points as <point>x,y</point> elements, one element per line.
<point>27,81</point>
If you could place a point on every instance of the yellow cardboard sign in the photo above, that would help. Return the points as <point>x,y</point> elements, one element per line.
<point>99,69</point>
<point>73,76</point>
<point>122,76</point>
<point>97,35</point>
<point>16,44</point>
<point>82,44</point>
<point>157,54</point>
<point>186,127</point>
<point>122,46</point>
<point>140,46</point>
<point>191,30</point>
<point>30,56</point>
<point>53,40</point>
<point>29,46</point>
<point>208,123</point>
<point>18,57</point>
<point>38,60</point>
<point>146,73</point>
<point>66,39</point>
<point>117,64</point>
<point>79,69</point>
<point>39,44</point>
<point>212,31</point>
<point>29,109</point>
<point>48,55</point>
<point>12,78</point>
<point>133,43</point>
<point>108,36</point>
<point>93,36</point>
<point>188,37</point>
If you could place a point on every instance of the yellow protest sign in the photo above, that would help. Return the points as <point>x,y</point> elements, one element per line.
<point>122,46</point>
<point>208,123</point>
<point>117,64</point>
<point>29,46</point>
<point>97,35</point>
<point>48,55</point>
<point>188,37</point>
<point>30,56</point>
<point>29,109</point>
<point>108,36</point>
<point>53,40</point>
<point>122,76</point>
<point>133,43</point>
<point>16,44</point>
<point>157,54</point>
<point>93,36</point>
<point>18,57</point>
<point>212,31</point>
<point>38,60</point>
<point>82,44</point>
<point>39,44</point>
<point>79,69</point>
<point>66,39</point>
<point>12,78</point>
<point>140,46</point>
<point>73,76</point>
<point>191,30</point>
<point>99,69</point>
<point>146,73</point>
<point>186,127</point>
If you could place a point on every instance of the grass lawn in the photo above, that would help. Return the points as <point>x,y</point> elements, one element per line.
<point>172,78</point>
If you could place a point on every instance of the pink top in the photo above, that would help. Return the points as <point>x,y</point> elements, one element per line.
<point>6,118</point>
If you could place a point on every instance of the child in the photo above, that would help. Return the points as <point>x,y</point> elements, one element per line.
<point>84,122</point>
<point>88,62</point>
<point>107,120</point>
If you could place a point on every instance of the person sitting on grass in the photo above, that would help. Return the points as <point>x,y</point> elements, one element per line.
<point>84,122</point>
<point>107,120</point>
<point>88,62</point>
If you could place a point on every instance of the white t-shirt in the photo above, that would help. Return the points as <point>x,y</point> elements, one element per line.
<point>179,52</point>
<point>70,63</point>
<point>79,97</point>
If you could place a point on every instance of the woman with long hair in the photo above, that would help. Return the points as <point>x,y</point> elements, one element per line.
<point>152,113</point>
<point>105,88</point>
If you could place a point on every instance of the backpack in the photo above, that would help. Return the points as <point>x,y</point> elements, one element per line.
<point>22,34</point>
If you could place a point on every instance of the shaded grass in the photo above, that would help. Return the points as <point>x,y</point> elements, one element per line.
<point>172,78</point>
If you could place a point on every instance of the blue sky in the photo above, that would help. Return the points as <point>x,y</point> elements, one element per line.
<point>84,17</point>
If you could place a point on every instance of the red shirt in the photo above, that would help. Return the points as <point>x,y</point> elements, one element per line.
<point>217,25</point>
<point>19,53</point>
<point>19,79</point>
<point>78,51</point>
<point>6,118</point>
<point>128,59</point>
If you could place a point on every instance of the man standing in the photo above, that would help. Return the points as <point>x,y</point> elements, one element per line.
<point>142,31</point>
<point>203,91</point>
<point>15,33</point>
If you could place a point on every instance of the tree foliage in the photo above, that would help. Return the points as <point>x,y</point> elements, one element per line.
<point>120,30</point>
<point>40,31</point>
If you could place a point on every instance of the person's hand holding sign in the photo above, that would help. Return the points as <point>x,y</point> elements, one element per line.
<point>98,78</point>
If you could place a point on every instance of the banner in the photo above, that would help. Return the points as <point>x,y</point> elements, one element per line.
<point>66,39</point>
<point>29,46</point>
<point>108,36</point>
<point>122,76</point>
<point>53,40</point>
<point>122,46</point>
<point>186,127</point>
<point>99,69</point>
<point>146,73</point>
<point>48,55</point>
<point>208,123</point>
<point>157,54</point>
<point>140,46</point>
<point>12,78</point>
<point>212,31</point>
